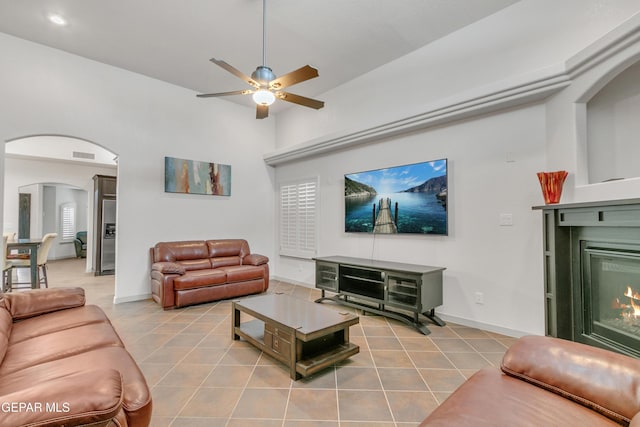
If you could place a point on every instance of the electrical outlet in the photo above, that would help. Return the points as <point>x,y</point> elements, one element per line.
<point>479,298</point>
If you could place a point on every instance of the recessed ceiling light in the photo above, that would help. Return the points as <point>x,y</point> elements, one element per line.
<point>57,19</point>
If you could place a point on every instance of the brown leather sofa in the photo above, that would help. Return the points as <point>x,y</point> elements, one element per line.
<point>62,363</point>
<point>546,381</point>
<point>196,271</point>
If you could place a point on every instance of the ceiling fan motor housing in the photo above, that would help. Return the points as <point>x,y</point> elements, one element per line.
<point>263,75</point>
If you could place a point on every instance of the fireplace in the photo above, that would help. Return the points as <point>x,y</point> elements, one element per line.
<point>592,273</point>
<point>610,286</point>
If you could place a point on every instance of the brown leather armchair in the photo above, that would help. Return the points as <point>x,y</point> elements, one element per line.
<point>196,271</point>
<point>546,381</point>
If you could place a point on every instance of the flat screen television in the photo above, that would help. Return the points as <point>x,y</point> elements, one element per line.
<point>401,199</point>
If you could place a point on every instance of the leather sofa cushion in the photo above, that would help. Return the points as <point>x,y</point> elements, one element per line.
<point>490,398</point>
<point>23,305</point>
<point>198,278</point>
<point>611,385</point>
<point>136,395</point>
<point>6,329</point>
<point>58,345</point>
<point>179,251</point>
<point>255,259</point>
<point>228,247</point>
<point>224,261</point>
<point>57,321</point>
<point>168,267</point>
<point>195,264</point>
<point>242,273</point>
<point>91,397</point>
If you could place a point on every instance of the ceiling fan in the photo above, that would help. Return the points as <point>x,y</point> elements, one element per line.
<point>266,86</point>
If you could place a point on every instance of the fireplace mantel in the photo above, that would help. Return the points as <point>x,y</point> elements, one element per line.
<point>567,228</point>
<point>604,203</point>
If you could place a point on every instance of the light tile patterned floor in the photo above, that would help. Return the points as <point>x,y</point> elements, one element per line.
<point>200,377</point>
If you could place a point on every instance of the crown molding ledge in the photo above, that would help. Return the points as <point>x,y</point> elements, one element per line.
<point>506,94</point>
<point>469,107</point>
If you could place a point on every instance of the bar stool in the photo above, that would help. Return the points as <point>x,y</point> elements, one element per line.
<point>43,254</point>
<point>6,268</point>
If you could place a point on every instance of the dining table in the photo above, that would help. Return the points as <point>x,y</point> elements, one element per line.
<point>30,245</point>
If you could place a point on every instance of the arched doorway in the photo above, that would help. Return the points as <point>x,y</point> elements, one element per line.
<point>54,170</point>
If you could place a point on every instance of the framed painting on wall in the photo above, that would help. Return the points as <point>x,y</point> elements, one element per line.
<point>401,199</point>
<point>196,177</point>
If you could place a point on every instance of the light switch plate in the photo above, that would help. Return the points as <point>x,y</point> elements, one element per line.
<point>506,219</point>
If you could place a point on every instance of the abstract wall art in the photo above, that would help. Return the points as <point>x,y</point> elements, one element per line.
<point>196,177</point>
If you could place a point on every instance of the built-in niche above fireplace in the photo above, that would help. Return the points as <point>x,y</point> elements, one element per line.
<point>592,273</point>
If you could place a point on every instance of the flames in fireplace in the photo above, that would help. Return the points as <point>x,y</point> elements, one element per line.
<point>630,311</point>
<point>634,298</point>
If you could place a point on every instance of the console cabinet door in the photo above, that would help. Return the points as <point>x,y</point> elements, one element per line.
<point>327,276</point>
<point>402,291</point>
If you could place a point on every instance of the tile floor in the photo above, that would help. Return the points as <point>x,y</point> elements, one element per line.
<point>199,377</point>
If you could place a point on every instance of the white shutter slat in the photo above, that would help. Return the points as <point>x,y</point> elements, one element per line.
<point>298,219</point>
<point>68,221</point>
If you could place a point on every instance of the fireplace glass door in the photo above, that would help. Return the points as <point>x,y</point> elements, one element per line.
<point>611,295</point>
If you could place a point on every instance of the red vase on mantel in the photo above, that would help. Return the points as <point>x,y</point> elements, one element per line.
<point>551,184</point>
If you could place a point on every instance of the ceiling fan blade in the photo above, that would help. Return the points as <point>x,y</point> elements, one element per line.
<point>262,111</point>
<point>300,100</point>
<point>235,92</point>
<point>236,72</point>
<point>301,74</point>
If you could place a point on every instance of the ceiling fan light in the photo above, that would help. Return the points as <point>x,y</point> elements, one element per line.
<point>58,19</point>
<point>263,97</point>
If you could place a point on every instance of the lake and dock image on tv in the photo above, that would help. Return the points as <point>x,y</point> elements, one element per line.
<point>402,199</point>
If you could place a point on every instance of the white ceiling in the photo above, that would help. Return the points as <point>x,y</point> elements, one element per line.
<point>172,40</point>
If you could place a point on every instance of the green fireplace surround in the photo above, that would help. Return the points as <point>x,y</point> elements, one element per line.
<point>569,231</point>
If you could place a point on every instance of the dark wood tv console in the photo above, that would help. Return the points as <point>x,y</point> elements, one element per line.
<point>382,287</point>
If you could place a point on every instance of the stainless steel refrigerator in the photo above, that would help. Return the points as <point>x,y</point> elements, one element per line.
<point>108,249</point>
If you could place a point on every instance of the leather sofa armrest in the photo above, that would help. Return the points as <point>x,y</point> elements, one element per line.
<point>167,268</point>
<point>86,398</point>
<point>255,259</point>
<point>599,379</point>
<point>34,302</point>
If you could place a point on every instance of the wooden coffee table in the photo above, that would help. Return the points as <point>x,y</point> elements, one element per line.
<point>305,336</point>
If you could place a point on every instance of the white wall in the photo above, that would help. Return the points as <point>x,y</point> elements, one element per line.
<point>522,44</point>
<point>480,256</point>
<point>46,91</point>
<point>61,148</point>
<point>518,44</point>
<point>20,172</point>
<point>567,127</point>
<point>143,120</point>
<point>613,128</point>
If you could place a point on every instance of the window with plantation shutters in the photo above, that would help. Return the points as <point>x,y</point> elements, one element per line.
<point>298,218</point>
<point>68,221</point>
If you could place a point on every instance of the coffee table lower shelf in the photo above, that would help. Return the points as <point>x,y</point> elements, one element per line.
<point>303,358</point>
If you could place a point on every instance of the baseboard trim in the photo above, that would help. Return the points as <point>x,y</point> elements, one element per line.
<point>132,298</point>
<point>481,325</point>
<point>453,319</point>
<point>293,282</point>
